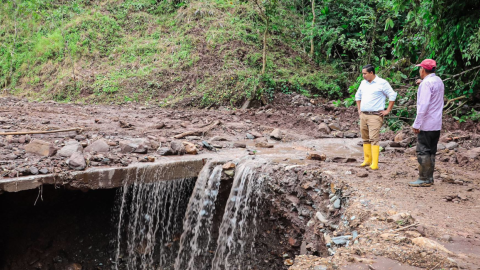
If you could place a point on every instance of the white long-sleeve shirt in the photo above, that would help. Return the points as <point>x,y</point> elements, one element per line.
<point>373,94</point>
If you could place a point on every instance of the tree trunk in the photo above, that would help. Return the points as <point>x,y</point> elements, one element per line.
<point>265,48</point>
<point>313,25</point>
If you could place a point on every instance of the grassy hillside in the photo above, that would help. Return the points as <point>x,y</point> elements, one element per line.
<point>202,52</point>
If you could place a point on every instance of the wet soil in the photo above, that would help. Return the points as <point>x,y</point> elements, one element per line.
<point>449,208</point>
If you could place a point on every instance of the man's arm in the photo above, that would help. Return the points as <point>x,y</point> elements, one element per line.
<point>358,98</point>
<point>392,96</point>
<point>424,96</point>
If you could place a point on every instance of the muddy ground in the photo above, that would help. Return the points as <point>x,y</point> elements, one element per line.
<point>388,225</point>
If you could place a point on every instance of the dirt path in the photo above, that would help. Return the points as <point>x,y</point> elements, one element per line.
<point>446,212</point>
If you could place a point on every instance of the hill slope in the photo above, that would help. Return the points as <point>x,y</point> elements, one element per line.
<point>202,53</point>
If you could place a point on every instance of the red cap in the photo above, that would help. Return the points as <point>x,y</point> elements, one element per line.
<point>428,64</point>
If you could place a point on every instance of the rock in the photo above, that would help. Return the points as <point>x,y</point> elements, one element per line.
<point>451,145</point>
<point>384,143</point>
<point>466,156</point>
<point>429,244</point>
<point>262,143</point>
<point>22,139</point>
<point>341,240</point>
<point>218,139</point>
<point>411,151</point>
<point>177,148</point>
<point>43,171</point>
<point>9,138</point>
<point>288,262</point>
<point>139,146</point>
<point>228,166</point>
<point>99,146</point>
<point>160,125</point>
<point>324,128</point>
<point>413,234</point>
<point>41,148</point>
<point>292,241</point>
<point>441,146</point>
<point>320,217</point>
<point>190,148</point>
<point>11,156</point>
<point>208,146</point>
<point>250,136</point>
<point>398,217</point>
<point>350,135</point>
<point>394,144</point>
<point>165,151</point>
<point>334,126</point>
<point>316,156</point>
<point>80,137</point>
<point>320,267</point>
<point>399,137</point>
<point>445,139</point>
<point>447,238</point>
<point>33,170</point>
<point>230,173</point>
<point>276,134</point>
<point>69,149</point>
<point>394,149</point>
<point>308,185</point>
<point>316,119</point>
<point>77,161</point>
<point>256,134</point>
<point>387,236</point>
<point>239,145</point>
<point>337,204</point>
<point>362,174</point>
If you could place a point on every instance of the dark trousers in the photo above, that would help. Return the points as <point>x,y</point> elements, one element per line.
<point>427,142</point>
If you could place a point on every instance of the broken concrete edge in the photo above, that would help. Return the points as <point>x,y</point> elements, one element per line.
<point>106,178</point>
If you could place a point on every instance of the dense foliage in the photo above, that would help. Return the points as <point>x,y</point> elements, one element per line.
<point>213,52</point>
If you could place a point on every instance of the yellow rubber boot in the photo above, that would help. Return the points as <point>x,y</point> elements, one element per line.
<point>367,155</point>
<point>375,154</point>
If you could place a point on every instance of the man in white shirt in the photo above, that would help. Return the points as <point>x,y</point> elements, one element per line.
<point>370,97</point>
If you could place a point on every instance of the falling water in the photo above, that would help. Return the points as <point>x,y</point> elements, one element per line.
<point>196,236</point>
<point>239,223</point>
<point>151,214</point>
<point>150,218</point>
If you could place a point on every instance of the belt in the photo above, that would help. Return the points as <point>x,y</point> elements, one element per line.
<point>375,113</point>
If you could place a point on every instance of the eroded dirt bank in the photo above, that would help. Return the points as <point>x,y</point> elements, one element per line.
<point>315,206</point>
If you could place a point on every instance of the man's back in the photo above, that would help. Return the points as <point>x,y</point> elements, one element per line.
<point>430,103</point>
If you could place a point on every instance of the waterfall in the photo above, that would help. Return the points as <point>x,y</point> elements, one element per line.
<point>150,219</point>
<point>150,234</point>
<point>197,227</point>
<point>239,224</point>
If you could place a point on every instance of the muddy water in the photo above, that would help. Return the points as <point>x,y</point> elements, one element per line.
<point>380,263</point>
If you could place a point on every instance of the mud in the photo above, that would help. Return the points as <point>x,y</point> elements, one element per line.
<point>296,184</point>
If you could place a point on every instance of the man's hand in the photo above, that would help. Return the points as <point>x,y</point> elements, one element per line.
<point>416,131</point>
<point>384,113</point>
<point>419,81</point>
<point>359,113</point>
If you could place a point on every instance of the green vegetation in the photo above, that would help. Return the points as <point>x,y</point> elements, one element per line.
<point>219,52</point>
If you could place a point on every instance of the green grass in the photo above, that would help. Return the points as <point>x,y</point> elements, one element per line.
<point>208,52</point>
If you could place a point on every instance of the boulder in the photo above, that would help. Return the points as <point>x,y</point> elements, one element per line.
<point>239,145</point>
<point>229,166</point>
<point>429,244</point>
<point>399,137</point>
<point>384,144</point>
<point>41,148</point>
<point>77,161</point>
<point>276,134</point>
<point>139,146</point>
<point>256,134</point>
<point>316,156</point>
<point>70,148</point>
<point>165,151</point>
<point>441,146</point>
<point>451,145</point>
<point>334,126</point>
<point>324,128</point>
<point>350,134</point>
<point>99,146</point>
<point>464,157</point>
<point>177,148</point>
<point>190,148</point>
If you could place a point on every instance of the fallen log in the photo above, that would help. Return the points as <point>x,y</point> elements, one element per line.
<point>197,132</point>
<point>38,132</point>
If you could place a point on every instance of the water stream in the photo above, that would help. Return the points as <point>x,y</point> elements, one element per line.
<point>151,215</point>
